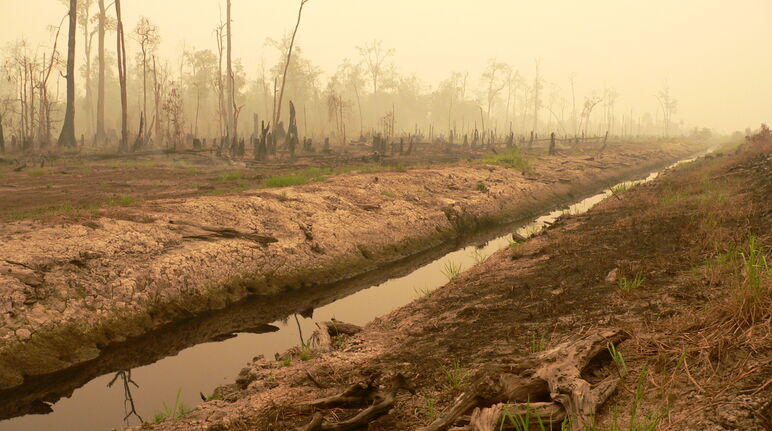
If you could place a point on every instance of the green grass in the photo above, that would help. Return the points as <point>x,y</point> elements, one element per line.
<point>430,409</point>
<point>451,270</point>
<point>522,422</point>
<point>751,299</point>
<point>515,246</point>
<point>482,188</point>
<point>285,362</point>
<point>538,343</point>
<point>455,376</point>
<point>478,256</point>
<point>305,352</point>
<point>511,159</point>
<point>38,172</point>
<point>285,181</point>
<point>38,213</point>
<point>627,285</point>
<point>618,359</point>
<point>121,201</point>
<point>230,176</point>
<point>423,292</point>
<point>176,411</point>
<point>620,188</point>
<point>388,194</point>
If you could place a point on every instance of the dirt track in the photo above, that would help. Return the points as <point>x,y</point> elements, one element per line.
<point>66,290</point>
<point>701,368</point>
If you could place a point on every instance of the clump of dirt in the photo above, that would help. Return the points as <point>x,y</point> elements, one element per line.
<point>666,263</point>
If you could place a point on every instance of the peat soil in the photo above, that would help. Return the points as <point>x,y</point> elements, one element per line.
<point>699,352</point>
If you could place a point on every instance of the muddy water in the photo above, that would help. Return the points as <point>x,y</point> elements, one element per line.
<point>208,363</point>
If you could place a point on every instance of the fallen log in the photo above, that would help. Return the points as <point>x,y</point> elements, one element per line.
<point>545,387</point>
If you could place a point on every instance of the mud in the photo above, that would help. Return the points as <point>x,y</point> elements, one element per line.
<point>71,291</point>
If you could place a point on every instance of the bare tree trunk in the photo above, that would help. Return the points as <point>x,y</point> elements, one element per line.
<point>277,115</point>
<point>87,43</point>
<point>67,136</point>
<point>220,85</point>
<point>144,90</point>
<point>100,115</point>
<point>157,94</point>
<point>124,144</point>
<point>231,81</point>
<point>2,138</point>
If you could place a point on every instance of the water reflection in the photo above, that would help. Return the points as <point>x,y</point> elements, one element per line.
<point>128,400</point>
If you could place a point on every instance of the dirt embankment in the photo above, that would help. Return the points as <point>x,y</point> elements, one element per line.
<point>68,290</point>
<point>698,348</point>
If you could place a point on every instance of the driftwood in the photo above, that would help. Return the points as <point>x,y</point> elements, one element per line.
<point>380,402</point>
<point>548,386</point>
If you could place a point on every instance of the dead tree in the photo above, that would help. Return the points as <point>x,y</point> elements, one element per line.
<point>2,138</point>
<point>100,115</point>
<point>292,131</point>
<point>552,144</point>
<point>231,118</point>
<point>277,114</point>
<point>121,49</point>
<point>67,135</point>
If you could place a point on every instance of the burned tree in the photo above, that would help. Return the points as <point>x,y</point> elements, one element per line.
<point>292,131</point>
<point>121,50</point>
<point>277,114</point>
<point>67,135</point>
<point>147,35</point>
<point>100,114</point>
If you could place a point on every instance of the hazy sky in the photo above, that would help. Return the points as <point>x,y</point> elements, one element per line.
<point>715,54</point>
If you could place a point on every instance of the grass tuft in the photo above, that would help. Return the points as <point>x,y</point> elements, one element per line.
<point>176,411</point>
<point>455,376</point>
<point>627,285</point>
<point>451,270</point>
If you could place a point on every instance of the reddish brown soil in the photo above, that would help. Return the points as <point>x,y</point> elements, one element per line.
<point>708,362</point>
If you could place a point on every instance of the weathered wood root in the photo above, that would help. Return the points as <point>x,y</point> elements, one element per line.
<point>321,339</point>
<point>380,403</point>
<point>547,386</point>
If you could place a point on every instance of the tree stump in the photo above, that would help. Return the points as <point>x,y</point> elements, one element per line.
<point>546,387</point>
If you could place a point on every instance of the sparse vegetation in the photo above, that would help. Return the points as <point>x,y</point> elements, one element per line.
<point>618,359</point>
<point>451,270</point>
<point>423,292</point>
<point>478,256</point>
<point>512,159</point>
<point>628,284</point>
<point>175,411</point>
<point>455,376</point>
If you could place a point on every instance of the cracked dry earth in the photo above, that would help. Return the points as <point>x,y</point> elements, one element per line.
<point>690,372</point>
<point>68,289</point>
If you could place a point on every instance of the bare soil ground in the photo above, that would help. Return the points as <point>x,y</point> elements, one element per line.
<point>699,350</point>
<point>53,187</point>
